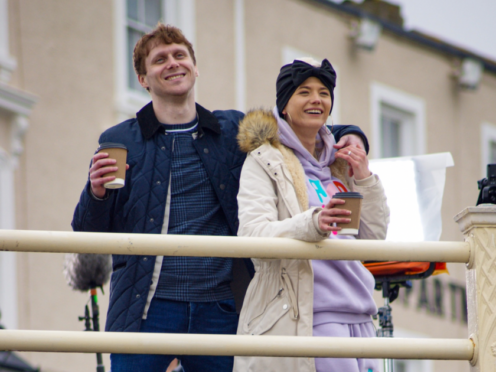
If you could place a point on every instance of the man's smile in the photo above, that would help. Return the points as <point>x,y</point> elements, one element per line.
<point>174,77</point>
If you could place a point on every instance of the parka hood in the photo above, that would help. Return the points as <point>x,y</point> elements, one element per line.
<point>257,128</point>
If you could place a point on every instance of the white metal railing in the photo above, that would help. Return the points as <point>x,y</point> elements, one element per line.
<point>478,251</point>
<point>196,344</point>
<point>214,246</point>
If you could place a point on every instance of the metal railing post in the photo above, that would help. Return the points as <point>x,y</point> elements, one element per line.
<point>478,224</point>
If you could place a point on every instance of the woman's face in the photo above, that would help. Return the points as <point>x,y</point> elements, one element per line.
<point>309,106</point>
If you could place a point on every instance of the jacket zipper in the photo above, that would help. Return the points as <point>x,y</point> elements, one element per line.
<point>266,306</point>
<point>292,295</point>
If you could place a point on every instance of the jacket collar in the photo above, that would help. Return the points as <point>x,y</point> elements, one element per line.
<point>149,124</point>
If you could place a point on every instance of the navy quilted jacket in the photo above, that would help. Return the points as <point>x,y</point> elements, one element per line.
<point>139,207</point>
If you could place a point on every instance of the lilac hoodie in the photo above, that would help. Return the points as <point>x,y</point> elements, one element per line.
<point>342,289</point>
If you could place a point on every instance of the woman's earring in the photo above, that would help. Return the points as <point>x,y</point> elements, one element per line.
<point>289,117</point>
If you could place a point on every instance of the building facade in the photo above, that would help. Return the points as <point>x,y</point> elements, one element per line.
<point>66,75</point>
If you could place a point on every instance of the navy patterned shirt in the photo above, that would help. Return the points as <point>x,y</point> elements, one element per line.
<point>194,210</point>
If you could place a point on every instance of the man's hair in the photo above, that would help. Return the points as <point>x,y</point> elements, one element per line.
<point>162,34</point>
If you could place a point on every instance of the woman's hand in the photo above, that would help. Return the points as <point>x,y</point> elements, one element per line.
<point>327,217</point>
<point>357,159</point>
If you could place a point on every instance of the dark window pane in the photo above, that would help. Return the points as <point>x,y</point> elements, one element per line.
<point>132,9</point>
<point>493,152</point>
<point>390,137</point>
<point>153,12</point>
<point>132,37</point>
<point>399,366</point>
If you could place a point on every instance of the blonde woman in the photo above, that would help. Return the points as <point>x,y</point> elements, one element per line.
<point>287,182</point>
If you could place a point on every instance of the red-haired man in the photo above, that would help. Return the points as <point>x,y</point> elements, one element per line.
<point>183,178</point>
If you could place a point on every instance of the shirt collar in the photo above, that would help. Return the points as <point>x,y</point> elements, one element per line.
<point>150,125</point>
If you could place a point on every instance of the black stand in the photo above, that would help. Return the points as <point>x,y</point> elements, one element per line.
<point>390,286</point>
<point>96,324</point>
<point>386,322</point>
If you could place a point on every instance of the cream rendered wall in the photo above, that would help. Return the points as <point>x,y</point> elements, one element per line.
<point>214,51</point>
<point>64,51</point>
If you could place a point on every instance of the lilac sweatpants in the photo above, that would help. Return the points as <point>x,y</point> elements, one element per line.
<point>345,364</point>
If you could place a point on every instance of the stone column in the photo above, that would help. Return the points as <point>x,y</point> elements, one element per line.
<point>478,224</point>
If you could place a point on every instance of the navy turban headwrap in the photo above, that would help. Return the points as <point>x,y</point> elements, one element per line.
<point>293,75</point>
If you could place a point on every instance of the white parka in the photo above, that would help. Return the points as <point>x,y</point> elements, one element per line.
<point>273,202</point>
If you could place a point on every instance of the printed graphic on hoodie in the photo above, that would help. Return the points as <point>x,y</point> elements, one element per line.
<point>324,195</point>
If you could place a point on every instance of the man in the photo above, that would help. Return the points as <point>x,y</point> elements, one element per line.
<point>183,176</point>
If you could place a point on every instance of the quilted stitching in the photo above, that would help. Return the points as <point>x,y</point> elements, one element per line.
<point>131,209</point>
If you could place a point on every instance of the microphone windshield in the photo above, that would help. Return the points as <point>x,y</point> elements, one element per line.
<point>86,271</point>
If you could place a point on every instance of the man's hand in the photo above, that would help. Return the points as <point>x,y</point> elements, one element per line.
<point>101,165</point>
<point>357,161</point>
<point>350,140</point>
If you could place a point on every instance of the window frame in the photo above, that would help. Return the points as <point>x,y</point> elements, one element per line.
<point>426,365</point>
<point>8,260</point>
<point>381,94</point>
<point>406,128</point>
<point>7,63</point>
<point>488,135</point>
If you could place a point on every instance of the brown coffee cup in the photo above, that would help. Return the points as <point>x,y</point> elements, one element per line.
<point>353,203</point>
<point>118,152</point>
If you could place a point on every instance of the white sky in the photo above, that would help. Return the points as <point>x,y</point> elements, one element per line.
<point>470,24</point>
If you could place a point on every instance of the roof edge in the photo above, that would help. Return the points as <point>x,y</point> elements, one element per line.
<point>416,36</point>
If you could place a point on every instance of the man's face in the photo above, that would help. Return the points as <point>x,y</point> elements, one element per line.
<point>170,71</point>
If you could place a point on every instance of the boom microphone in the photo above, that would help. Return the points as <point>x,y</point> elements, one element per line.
<point>85,271</point>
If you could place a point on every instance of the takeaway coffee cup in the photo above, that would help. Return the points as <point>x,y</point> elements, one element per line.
<point>353,203</point>
<point>118,152</point>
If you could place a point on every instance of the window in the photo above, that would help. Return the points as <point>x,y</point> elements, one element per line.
<point>408,365</point>
<point>6,192</point>
<point>397,132</point>
<point>492,152</point>
<point>18,106</point>
<point>290,54</point>
<point>488,146</point>
<point>141,17</point>
<point>405,365</point>
<point>133,18</point>
<point>8,263</point>
<point>398,123</point>
<point>7,63</point>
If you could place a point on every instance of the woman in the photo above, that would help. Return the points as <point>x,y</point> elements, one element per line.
<point>286,186</point>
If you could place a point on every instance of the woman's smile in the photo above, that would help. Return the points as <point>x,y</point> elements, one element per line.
<point>309,106</point>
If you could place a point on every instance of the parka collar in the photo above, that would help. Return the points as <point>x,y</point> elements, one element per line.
<point>149,124</point>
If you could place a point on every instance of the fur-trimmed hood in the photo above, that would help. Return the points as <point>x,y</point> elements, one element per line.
<point>258,127</point>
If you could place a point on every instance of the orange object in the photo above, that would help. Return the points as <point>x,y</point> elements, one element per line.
<point>392,268</point>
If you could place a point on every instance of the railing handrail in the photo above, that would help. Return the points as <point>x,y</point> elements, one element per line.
<point>217,246</point>
<point>201,344</point>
